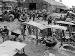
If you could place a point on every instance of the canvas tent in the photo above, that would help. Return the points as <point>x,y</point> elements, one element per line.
<point>64,22</point>
<point>8,48</point>
<point>57,27</point>
<point>35,24</point>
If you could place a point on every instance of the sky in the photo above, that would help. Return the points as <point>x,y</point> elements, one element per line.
<point>68,3</point>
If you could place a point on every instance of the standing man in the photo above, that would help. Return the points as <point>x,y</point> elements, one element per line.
<point>45,16</point>
<point>61,18</point>
<point>29,30</point>
<point>23,29</point>
<point>50,20</point>
<point>5,33</point>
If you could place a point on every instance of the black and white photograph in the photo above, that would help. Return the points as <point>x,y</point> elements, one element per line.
<point>37,27</point>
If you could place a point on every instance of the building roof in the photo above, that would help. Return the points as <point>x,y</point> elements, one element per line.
<point>57,4</point>
<point>35,1</point>
<point>9,0</point>
<point>52,2</point>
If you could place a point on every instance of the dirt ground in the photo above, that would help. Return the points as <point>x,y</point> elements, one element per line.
<point>38,50</point>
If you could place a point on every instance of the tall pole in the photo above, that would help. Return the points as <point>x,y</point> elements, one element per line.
<point>36,36</point>
<point>69,30</point>
<point>23,31</point>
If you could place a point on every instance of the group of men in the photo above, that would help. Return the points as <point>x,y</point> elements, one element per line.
<point>24,15</point>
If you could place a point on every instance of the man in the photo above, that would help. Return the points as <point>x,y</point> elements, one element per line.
<point>23,29</point>
<point>6,30</point>
<point>33,15</point>
<point>49,32</point>
<point>5,33</point>
<point>29,30</point>
<point>1,39</point>
<point>11,17</point>
<point>20,38</point>
<point>20,53</point>
<point>68,19</point>
<point>23,18</point>
<point>60,17</point>
<point>50,20</point>
<point>5,16</point>
<point>45,16</point>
